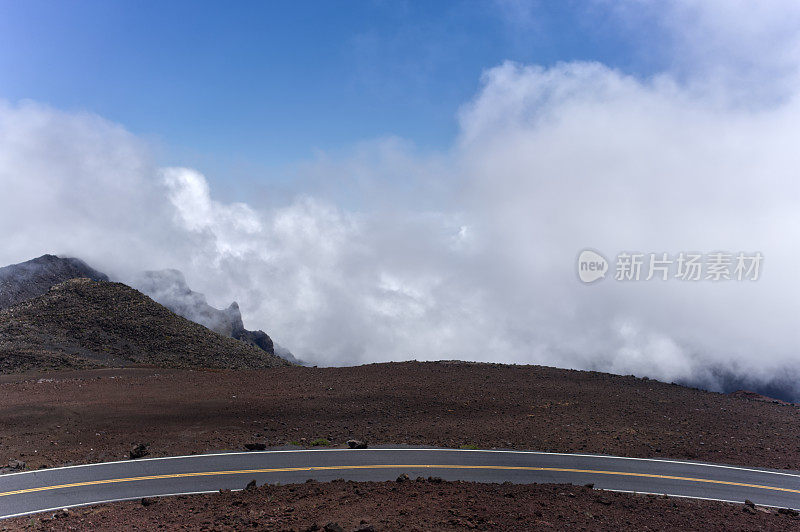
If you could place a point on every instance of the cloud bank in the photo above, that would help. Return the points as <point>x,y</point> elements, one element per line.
<point>389,254</point>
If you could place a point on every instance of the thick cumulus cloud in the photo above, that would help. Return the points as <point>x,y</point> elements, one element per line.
<point>470,253</point>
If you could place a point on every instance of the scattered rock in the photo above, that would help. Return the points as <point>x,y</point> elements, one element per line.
<point>356,444</point>
<point>333,527</point>
<point>16,465</point>
<point>590,485</point>
<point>403,478</point>
<point>148,501</point>
<point>749,503</point>
<point>365,528</point>
<point>255,446</point>
<point>140,451</point>
<point>788,511</point>
<point>251,486</point>
<point>435,480</point>
<point>748,509</point>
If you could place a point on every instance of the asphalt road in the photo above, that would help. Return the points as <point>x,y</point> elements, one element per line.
<point>50,489</point>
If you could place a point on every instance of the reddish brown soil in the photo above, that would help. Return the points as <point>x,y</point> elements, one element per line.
<point>414,505</point>
<point>87,416</point>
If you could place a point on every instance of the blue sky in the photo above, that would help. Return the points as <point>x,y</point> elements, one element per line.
<point>244,87</point>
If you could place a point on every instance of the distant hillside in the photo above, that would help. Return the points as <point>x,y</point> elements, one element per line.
<point>25,280</point>
<point>169,288</point>
<point>85,323</point>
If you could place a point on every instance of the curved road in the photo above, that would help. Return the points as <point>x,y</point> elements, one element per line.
<point>50,489</point>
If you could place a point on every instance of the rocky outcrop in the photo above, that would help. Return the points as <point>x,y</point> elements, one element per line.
<point>258,339</point>
<point>169,288</point>
<point>19,282</point>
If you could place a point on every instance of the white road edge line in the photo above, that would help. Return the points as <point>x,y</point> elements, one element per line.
<point>377,449</point>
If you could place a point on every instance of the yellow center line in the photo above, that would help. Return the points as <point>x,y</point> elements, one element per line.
<point>389,466</point>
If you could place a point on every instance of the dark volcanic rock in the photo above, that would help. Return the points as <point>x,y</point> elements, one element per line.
<point>83,323</point>
<point>19,282</point>
<point>258,339</point>
<point>140,451</point>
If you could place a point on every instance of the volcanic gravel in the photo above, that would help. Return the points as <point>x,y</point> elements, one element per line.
<point>413,505</point>
<point>83,323</point>
<point>53,418</point>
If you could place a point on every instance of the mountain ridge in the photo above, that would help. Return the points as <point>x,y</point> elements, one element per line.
<point>82,323</point>
<point>25,280</point>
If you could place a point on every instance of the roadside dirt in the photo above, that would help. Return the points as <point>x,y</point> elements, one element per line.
<point>412,505</point>
<point>57,418</point>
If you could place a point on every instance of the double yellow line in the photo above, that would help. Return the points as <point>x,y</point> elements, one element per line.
<point>388,466</point>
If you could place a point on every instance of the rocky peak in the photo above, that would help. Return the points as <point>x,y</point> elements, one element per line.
<point>26,280</point>
<point>169,288</point>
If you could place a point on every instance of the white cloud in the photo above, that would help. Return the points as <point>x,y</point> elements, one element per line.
<point>470,253</point>
<point>748,51</point>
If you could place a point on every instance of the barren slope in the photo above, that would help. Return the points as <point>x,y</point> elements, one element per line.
<point>83,416</point>
<point>83,323</point>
